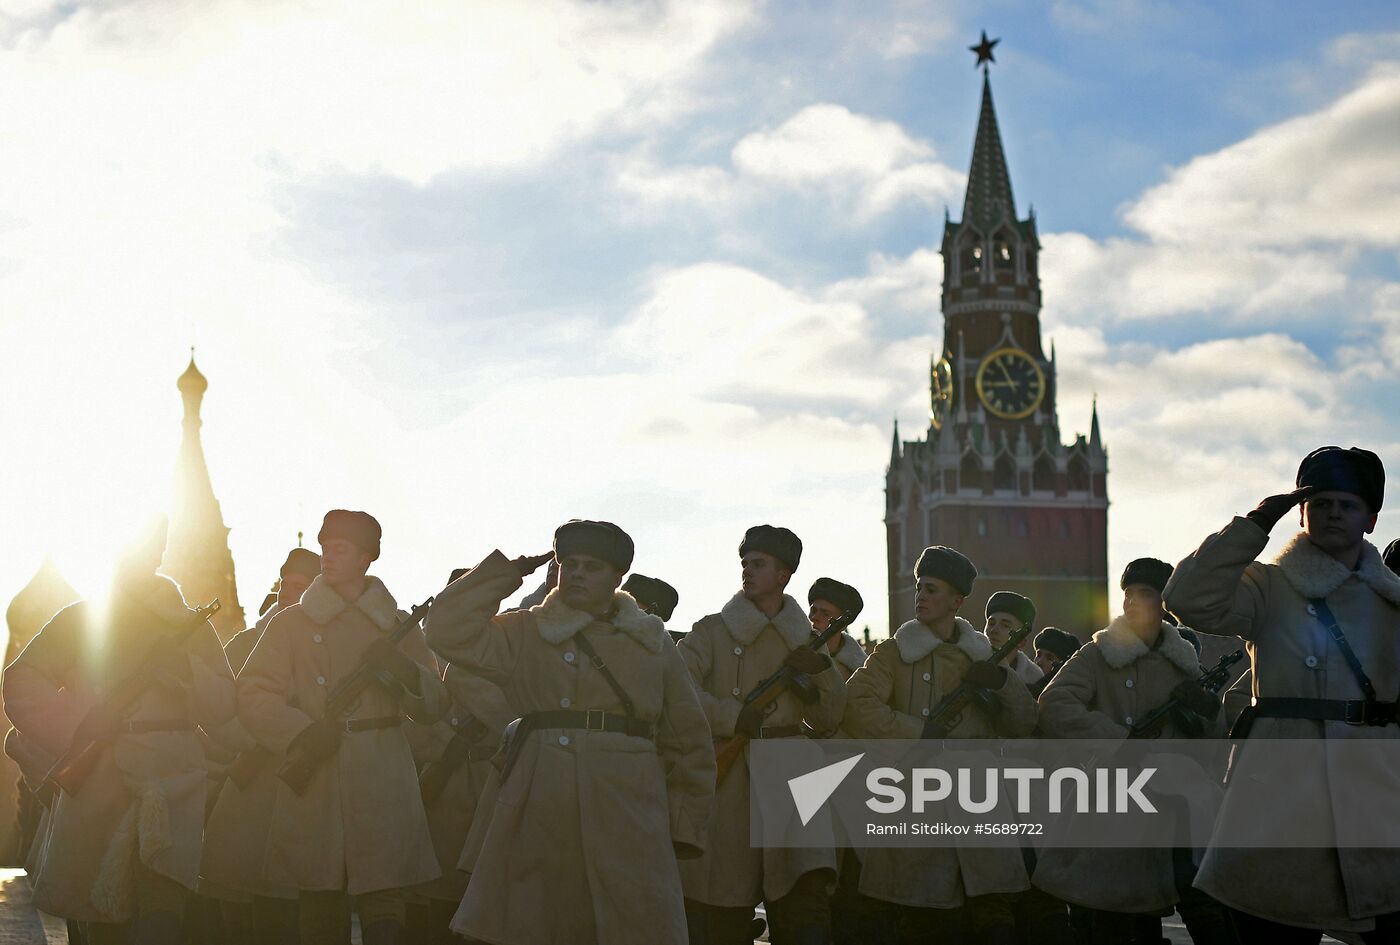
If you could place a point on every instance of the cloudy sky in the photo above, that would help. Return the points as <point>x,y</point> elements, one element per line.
<point>481,267</point>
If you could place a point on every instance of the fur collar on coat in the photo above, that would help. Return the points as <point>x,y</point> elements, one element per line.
<point>851,655</point>
<point>915,641</point>
<point>745,621</point>
<point>322,604</point>
<point>559,622</point>
<point>1120,646</point>
<point>1314,573</point>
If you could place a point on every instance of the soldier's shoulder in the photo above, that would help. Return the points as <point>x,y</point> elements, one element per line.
<point>708,624</point>
<point>886,651</point>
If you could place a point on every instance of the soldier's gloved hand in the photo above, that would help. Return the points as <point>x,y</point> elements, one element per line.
<point>1188,723</point>
<point>750,720</point>
<point>984,675</point>
<point>97,725</point>
<point>318,741</point>
<point>809,661</point>
<point>1268,513</point>
<point>529,564</point>
<point>383,657</point>
<point>1196,699</point>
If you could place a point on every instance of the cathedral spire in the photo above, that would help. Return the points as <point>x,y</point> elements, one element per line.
<point>1095,440</point>
<point>894,446</point>
<point>989,199</point>
<point>197,554</point>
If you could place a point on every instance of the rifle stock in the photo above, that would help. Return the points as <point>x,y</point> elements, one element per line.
<point>729,750</point>
<point>298,769</point>
<point>76,765</point>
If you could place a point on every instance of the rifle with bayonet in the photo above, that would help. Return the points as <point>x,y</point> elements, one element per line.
<point>299,768</point>
<point>767,692</point>
<point>944,716</point>
<point>1200,697</point>
<point>77,763</point>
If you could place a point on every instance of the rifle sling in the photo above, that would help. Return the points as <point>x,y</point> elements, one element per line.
<point>608,677</point>
<point>1324,614</point>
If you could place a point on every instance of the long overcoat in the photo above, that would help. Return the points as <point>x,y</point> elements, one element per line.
<point>584,833</point>
<point>1355,783</point>
<point>1108,683</point>
<point>892,696</point>
<point>728,654</point>
<point>360,824</point>
<point>236,834</point>
<point>145,800</point>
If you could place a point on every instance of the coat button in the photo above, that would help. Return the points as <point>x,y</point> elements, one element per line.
<point>316,638</point>
<point>927,676</point>
<point>452,722</point>
<point>1312,610</point>
<point>569,656</point>
<point>734,691</point>
<point>320,680</point>
<point>924,712</point>
<point>1127,720</point>
<point>738,651</point>
<point>563,739</point>
<point>1310,662</point>
<point>564,703</point>
<point>1128,683</point>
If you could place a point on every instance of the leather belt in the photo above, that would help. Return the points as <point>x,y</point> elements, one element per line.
<point>593,720</point>
<point>780,731</point>
<point>370,724</point>
<point>143,726</point>
<point>1352,712</point>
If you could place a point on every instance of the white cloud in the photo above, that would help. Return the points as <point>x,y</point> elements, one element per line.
<point>875,163</point>
<point>1332,176</point>
<point>1260,231</point>
<point>725,330</point>
<point>865,168</point>
<point>1098,281</point>
<point>912,285</point>
<point>410,91</point>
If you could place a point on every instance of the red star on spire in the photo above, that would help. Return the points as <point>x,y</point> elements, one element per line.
<point>984,49</point>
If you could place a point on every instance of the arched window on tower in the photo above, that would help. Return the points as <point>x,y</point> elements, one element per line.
<point>1078,474</point>
<point>1043,475</point>
<point>970,473</point>
<point>970,259</point>
<point>1003,261</point>
<point>1004,474</point>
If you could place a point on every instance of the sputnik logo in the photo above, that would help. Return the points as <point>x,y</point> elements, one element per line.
<point>810,791</point>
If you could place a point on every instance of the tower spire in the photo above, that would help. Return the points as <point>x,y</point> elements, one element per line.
<point>196,553</point>
<point>894,446</point>
<point>1095,441</point>
<point>989,200</point>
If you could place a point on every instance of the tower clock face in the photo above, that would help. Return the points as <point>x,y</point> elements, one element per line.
<point>1010,383</point>
<point>941,391</point>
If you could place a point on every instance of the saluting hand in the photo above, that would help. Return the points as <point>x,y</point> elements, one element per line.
<point>529,564</point>
<point>1275,507</point>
